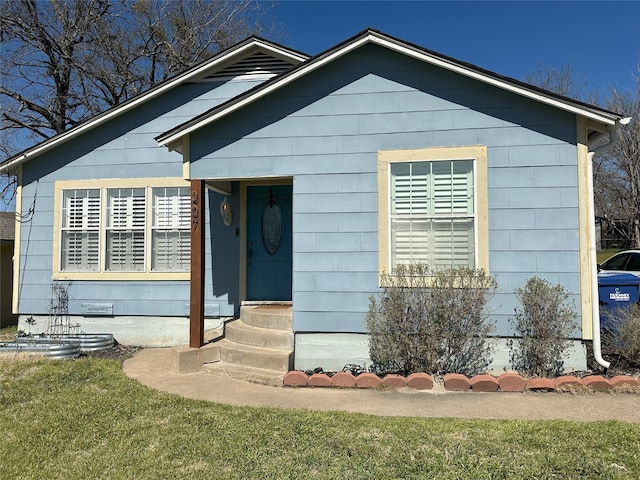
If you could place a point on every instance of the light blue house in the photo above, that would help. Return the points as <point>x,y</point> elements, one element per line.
<point>263,176</point>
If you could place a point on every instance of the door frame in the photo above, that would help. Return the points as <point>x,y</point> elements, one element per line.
<point>243,225</point>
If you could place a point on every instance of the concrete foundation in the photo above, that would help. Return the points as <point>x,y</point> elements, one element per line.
<point>128,330</point>
<point>332,351</point>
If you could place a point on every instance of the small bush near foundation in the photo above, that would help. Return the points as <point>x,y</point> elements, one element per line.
<point>431,321</point>
<point>622,334</point>
<point>542,327</point>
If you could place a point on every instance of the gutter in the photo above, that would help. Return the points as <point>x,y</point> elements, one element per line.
<point>595,304</point>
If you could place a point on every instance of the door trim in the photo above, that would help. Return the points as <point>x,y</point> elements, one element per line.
<point>243,225</point>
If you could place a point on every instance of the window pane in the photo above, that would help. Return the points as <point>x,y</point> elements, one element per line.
<point>453,243</point>
<point>411,241</point>
<point>171,229</point>
<point>125,251</point>
<point>81,209</point>
<point>80,230</point>
<point>171,207</point>
<point>432,213</point>
<point>634,262</point>
<point>126,208</point>
<point>453,187</point>
<point>126,219</point>
<point>462,186</point>
<point>409,188</point>
<point>79,251</point>
<point>171,250</point>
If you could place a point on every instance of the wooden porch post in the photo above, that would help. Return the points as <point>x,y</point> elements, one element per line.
<point>196,305</point>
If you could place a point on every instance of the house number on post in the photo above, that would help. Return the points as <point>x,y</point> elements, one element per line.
<point>195,209</point>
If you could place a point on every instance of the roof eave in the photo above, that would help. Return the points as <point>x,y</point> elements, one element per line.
<point>191,74</point>
<point>372,36</point>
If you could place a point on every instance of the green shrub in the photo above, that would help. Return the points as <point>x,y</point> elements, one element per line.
<point>543,327</point>
<point>431,321</point>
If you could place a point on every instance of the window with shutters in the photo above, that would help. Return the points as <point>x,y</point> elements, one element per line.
<point>171,231</point>
<point>432,214</point>
<point>433,207</point>
<point>80,242</point>
<point>122,230</point>
<point>125,231</point>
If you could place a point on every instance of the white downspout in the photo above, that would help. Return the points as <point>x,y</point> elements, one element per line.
<point>595,302</point>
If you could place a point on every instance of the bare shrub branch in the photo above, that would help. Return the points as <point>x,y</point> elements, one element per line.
<point>431,321</point>
<point>621,334</point>
<point>543,328</point>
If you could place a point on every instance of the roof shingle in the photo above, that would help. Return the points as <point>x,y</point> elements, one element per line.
<point>7,225</point>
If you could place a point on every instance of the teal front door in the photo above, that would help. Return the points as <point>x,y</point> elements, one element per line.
<point>269,243</point>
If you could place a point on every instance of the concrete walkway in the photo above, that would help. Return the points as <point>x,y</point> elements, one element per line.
<point>152,367</point>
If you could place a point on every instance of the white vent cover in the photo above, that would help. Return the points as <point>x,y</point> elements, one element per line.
<point>257,65</point>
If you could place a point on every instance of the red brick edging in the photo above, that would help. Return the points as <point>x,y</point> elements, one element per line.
<point>507,382</point>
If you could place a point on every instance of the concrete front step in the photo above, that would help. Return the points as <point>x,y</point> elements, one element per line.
<point>258,347</point>
<point>257,357</point>
<point>244,373</point>
<point>211,335</point>
<point>239,332</point>
<point>278,317</point>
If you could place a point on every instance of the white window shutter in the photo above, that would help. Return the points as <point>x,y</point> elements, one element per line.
<point>432,213</point>
<point>171,229</point>
<point>121,236</point>
<point>126,224</point>
<point>80,236</point>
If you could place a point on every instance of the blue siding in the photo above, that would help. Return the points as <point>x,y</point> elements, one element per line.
<point>125,148</point>
<point>325,132</point>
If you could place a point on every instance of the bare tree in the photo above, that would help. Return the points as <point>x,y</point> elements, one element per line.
<point>41,42</point>
<point>63,61</point>
<point>617,173</point>
<point>155,39</point>
<point>563,80</point>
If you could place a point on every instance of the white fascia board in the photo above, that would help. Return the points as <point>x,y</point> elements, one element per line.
<point>434,60</point>
<point>14,163</point>
<point>154,92</point>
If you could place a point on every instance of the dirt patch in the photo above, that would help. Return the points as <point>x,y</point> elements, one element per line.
<point>619,364</point>
<point>117,352</point>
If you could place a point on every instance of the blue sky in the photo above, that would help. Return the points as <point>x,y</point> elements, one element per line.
<point>601,39</point>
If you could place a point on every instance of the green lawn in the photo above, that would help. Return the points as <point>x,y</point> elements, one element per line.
<point>84,419</point>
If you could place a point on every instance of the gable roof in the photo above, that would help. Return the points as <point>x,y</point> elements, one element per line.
<point>599,119</point>
<point>249,58</point>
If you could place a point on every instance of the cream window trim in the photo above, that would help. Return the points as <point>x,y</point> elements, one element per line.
<point>103,185</point>
<point>477,153</point>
